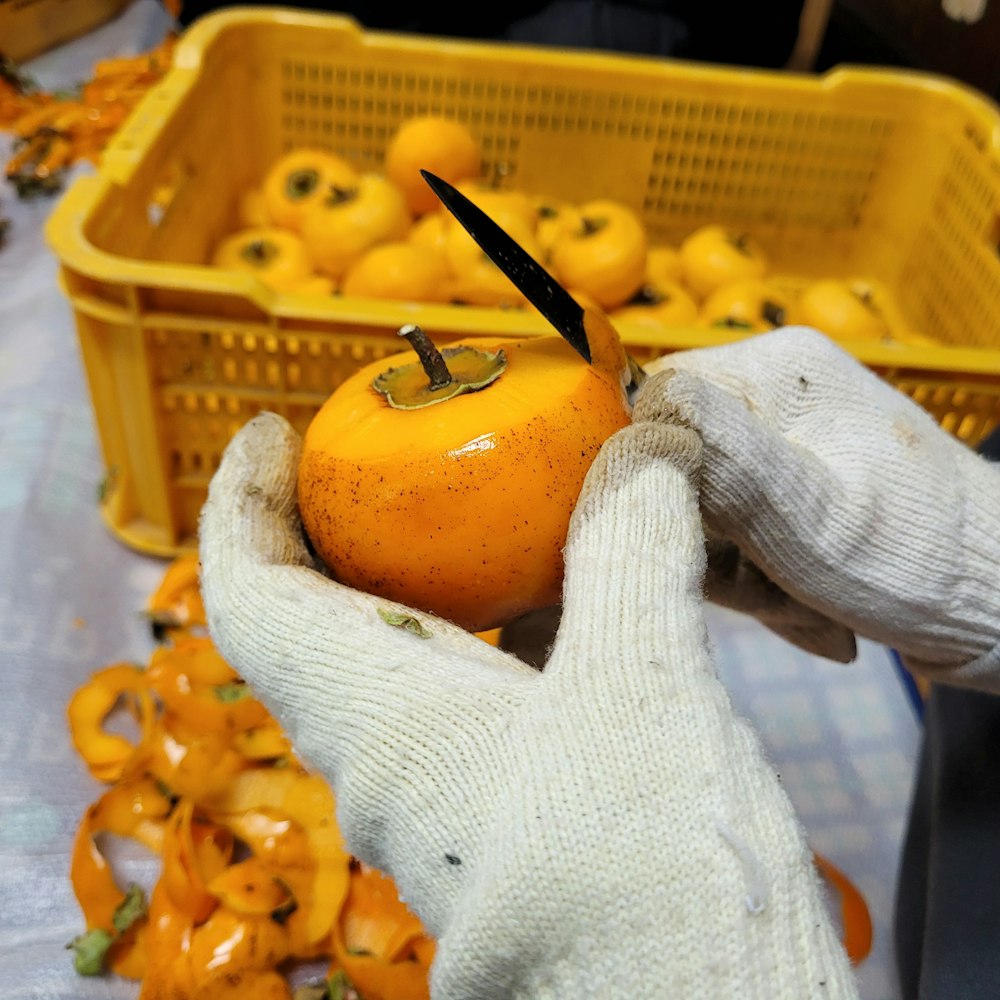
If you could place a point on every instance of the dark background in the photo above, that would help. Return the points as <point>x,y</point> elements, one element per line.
<point>913,34</point>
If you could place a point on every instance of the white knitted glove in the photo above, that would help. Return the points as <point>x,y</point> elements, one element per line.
<point>846,494</point>
<point>604,828</point>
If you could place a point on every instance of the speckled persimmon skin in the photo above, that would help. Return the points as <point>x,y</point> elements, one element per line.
<point>459,509</point>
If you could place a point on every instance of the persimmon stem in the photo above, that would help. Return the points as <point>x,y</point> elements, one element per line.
<point>430,357</point>
<point>590,226</point>
<point>337,195</point>
<point>301,182</point>
<point>259,251</point>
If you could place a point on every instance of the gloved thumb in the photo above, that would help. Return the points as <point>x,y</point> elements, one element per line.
<point>635,557</point>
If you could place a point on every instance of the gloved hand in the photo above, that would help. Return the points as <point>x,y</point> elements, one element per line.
<point>845,494</point>
<point>607,827</point>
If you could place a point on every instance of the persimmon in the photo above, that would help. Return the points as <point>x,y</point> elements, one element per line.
<point>251,210</point>
<point>300,179</point>
<point>428,232</point>
<point>716,255</point>
<point>430,142</point>
<point>843,310</point>
<point>399,271</point>
<point>502,201</point>
<point>907,336</point>
<point>663,264</point>
<point>346,222</point>
<point>664,303</point>
<point>482,283</point>
<point>554,219</point>
<point>276,256</point>
<point>316,284</point>
<point>473,278</point>
<point>753,305</point>
<point>603,255</point>
<point>447,483</point>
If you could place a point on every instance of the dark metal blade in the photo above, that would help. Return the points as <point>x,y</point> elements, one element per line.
<point>531,279</point>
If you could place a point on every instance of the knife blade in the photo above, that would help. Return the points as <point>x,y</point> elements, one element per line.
<point>530,278</point>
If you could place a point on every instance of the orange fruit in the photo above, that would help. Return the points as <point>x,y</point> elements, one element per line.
<point>663,264</point>
<point>751,304</point>
<point>343,225</point>
<point>399,271</point>
<point>554,218</point>
<point>667,303</point>
<point>429,232</point>
<point>443,146</point>
<point>505,201</point>
<point>316,284</point>
<point>300,179</point>
<point>442,506</point>
<point>473,278</point>
<point>714,255</point>
<point>603,255</point>
<point>252,209</point>
<point>278,257</point>
<point>843,310</point>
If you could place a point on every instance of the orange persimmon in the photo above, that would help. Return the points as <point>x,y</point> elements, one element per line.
<point>844,310</point>
<point>343,225</point>
<point>430,142</point>
<point>751,304</point>
<point>663,264</point>
<point>398,270</point>
<point>429,232</point>
<point>299,180</point>
<point>473,278</point>
<point>715,255</point>
<point>603,255</point>
<point>554,219</point>
<point>251,209</point>
<point>665,303</point>
<point>458,504</point>
<point>276,256</point>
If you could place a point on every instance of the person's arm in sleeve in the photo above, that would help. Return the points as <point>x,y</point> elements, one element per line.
<point>846,495</point>
<point>606,827</point>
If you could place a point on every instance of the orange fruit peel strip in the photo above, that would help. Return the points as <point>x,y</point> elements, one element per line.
<point>54,131</point>
<point>855,918</point>
<point>253,872</point>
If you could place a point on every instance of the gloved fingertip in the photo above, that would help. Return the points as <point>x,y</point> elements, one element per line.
<point>671,396</point>
<point>262,440</point>
<point>675,443</point>
<point>266,427</point>
<point>268,418</point>
<point>680,444</point>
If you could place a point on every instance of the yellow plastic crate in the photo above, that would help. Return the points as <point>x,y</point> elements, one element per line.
<point>890,175</point>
